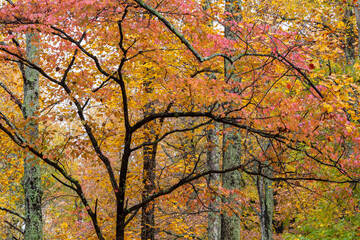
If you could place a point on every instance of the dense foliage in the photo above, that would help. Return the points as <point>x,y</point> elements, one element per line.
<point>141,103</point>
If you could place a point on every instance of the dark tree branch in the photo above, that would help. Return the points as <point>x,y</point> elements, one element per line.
<point>78,44</point>
<point>63,183</point>
<point>12,95</point>
<point>158,139</point>
<point>180,36</point>
<point>226,120</point>
<point>131,216</point>
<point>69,67</point>
<point>14,227</point>
<point>12,212</point>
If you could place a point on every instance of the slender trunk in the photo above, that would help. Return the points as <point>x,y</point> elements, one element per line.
<point>148,210</point>
<point>120,221</point>
<point>121,192</point>
<point>213,162</point>
<point>266,197</point>
<point>357,16</point>
<point>265,192</point>
<point>32,174</point>
<point>230,222</point>
<point>349,47</point>
<point>120,199</point>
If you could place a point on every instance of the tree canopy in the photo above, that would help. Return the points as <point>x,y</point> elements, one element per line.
<point>147,119</point>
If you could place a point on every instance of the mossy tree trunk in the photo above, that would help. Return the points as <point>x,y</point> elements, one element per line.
<point>32,173</point>
<point>230,222</point>
<point>213,162</point>
<point>213,157</point>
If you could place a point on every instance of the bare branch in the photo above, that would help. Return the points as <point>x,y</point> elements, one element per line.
<point>14,227</point>
<point>13,96</point>
<point>180,36</point>
<point>12,212</point>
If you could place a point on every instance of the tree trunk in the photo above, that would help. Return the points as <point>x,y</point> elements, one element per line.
<point>148,210</point>
<point>213,162</point>
<point>266,197</point>
<point>149,154</point>
<point>349,47</point>
<point>357,16</point>
<point>32,174</point>
<point>230,222</point>
<point>213,156</point>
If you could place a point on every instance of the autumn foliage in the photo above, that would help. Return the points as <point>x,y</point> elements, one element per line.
<point>129,90</point>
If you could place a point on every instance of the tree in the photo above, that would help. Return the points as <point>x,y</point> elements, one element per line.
<point>149,153</point>
<point>32,176</point>
<point>103,65</point>
<point>230,222</point>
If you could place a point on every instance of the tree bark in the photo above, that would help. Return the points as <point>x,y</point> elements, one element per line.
<point>148,210</point>
<point>149,155</point>
<point>266,197</point>
<point>213,157</point>
<point>349,47</point>
<point>357,16</point>
<point>230,223</point>
<point>213,162</point>
<point>32,174</point>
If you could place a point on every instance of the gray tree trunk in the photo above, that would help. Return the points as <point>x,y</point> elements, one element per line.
<point>266,197</point>
<point>230,223</point>
<point>32,174</point>
<point>350,37</point>
<point>266,194</point>
<point>213,162</point>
